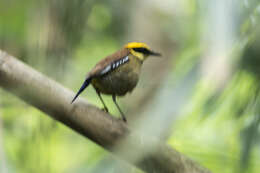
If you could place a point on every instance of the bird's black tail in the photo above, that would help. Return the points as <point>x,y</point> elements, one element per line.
<point>84,85</point>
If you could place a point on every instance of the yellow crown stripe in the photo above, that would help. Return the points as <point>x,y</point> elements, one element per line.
<point>136,45</point>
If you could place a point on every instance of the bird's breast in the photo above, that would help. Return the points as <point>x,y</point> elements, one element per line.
<point>120,81</point>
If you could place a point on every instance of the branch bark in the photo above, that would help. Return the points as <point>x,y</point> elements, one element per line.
<point>108,132</point>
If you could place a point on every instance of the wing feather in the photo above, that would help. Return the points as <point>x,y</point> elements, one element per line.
<point>110,63</point>
<point>112,66</point>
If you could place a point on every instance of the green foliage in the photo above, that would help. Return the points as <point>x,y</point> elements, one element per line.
<point>218,126</point>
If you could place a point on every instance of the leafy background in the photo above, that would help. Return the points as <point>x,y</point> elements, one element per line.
<point>202,97</point>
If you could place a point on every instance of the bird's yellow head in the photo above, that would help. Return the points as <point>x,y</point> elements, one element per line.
<point>140,50</point>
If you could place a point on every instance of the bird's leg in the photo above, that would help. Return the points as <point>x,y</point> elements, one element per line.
<point>122,114</point>
<point>99,95</point>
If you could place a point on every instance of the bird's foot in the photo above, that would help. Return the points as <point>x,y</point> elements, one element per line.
<point>105,109</point>
<point>124,119</point>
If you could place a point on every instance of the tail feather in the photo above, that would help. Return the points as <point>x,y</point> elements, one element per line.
<point>84,85</point>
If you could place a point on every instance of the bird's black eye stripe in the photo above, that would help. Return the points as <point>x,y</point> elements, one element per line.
<point>142,50</point>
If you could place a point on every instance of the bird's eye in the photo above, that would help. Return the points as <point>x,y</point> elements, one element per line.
<point>142,50</point>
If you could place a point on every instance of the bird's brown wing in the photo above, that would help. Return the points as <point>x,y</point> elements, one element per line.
<point>106,65</point>
<point>110,62</point>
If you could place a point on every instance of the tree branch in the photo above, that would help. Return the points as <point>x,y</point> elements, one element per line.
<point>110,133</point>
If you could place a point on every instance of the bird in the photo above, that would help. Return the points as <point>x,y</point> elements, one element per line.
<point>118,73</point>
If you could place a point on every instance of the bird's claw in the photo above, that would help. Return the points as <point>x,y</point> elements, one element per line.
<point>105,110</point>
<point>124,119</point>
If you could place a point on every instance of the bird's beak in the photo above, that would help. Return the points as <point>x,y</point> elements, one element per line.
<point>155,53</point>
